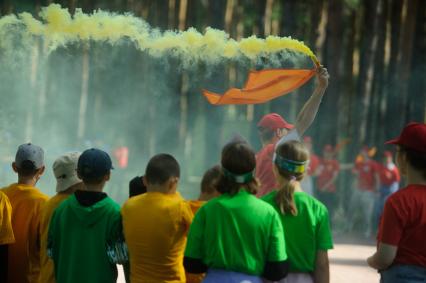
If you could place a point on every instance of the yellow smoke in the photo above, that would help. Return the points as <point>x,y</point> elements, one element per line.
<point>58,28</point>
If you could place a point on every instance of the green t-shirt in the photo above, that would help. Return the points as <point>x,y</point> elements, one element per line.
<point>305,233</point>
<point>237,233</point>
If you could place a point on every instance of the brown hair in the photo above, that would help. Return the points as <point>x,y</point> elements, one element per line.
<point>295,151</point>
<point>210,180</point>
<point>237,158</point>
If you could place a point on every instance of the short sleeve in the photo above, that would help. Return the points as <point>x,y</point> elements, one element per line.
<point>323,237</point>
<point>391,225</point>
<point>6,231</point>
<point>187,214</point>
<point>276,251</point>
<point>194,245</point>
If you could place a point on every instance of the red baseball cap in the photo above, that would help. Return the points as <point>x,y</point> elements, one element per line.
<point>274,121</point>
<point>413,136</point>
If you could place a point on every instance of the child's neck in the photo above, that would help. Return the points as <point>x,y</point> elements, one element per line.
<point>415,178</point>
<point>29,181</point>
<point>161,189</point>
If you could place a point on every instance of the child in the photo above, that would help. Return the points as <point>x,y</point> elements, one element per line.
<point>67,182</point>
<point>27,202</point>
<point>86,226</point>
<point>208,188</point>
<point>156,223</point>
<point>208,192</point>
<point>6,233</point>
<point>236,237</point>
<point>401,252</point>
<point>306,223</point>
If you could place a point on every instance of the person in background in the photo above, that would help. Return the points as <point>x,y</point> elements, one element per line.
<point>236,237</point>
<point>27,202</point>
<point>274,130</point>
<point>307,182</point>
<point>85,238</point>
<point>136,186</point>
<point>401,252</point>
<point>326,181</point>
<point>156,224</point>
<point>6,233</point>
<point>208,191</point>
<point>389,183</point>
<point>305,219</point>
<point>67,182</point>
<point>364,195</point>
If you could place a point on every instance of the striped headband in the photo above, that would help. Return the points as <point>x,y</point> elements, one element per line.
<point>290,165</point>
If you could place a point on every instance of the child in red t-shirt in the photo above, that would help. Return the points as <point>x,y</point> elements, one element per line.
<point>326,181</point>
<point>401,252</point>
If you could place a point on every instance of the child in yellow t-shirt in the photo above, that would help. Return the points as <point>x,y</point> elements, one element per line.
<point>208,191</point>
<point>6,233</point>
<point>67,182</point>
<point>156,223</point>
<point>27,202</point>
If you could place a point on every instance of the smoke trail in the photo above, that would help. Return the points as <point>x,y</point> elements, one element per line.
<point>59,28</point>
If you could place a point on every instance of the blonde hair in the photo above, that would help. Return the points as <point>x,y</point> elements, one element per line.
<point>293,152</point>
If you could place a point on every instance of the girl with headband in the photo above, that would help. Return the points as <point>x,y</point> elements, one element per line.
<point>237,237</point>
<point>305,219</point>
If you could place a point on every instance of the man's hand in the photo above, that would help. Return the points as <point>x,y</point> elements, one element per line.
<point>323,77</point>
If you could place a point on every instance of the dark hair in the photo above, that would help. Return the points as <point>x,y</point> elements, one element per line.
<point>27,169</point>
<point>161,168</point>
<point>210,180</point>
<point>416,159</point>
<point>237,158</point>
<point>266,134</point>
<point>93,180</point>
<point>295,151</point>
<point>136,186</point>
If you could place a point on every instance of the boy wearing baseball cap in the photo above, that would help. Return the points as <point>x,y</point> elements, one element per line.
<point>156,223</point>
<point>27,202</point>
<point>67,182</point>
<point>401,252</point>
<point>85,230</point>
<point>275,130</point>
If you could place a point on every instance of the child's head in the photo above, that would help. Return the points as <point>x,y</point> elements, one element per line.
<point>136,186</point>
<point>210,181</point>
<point>291,162</point>
<point>162,173</point>
<point>238,165</point>
<point>65,171</point>
<point>94,167</point>
<point>29,161</point>
<point>411,153</point>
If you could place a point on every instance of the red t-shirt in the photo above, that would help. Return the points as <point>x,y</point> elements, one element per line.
<point>264,171</point>
<point>367,171</point>
<point>328,169</point>
<point>388,174</point>
<point>403,224</point>
<point>314,162</point>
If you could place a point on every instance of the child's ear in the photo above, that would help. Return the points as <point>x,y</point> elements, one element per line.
<point>14,167</point>
<point>144,181</point>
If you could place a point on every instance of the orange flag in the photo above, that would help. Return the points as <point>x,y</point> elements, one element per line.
<point>262,86</point>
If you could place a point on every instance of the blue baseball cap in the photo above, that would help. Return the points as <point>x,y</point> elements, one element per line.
<point>94,163</point>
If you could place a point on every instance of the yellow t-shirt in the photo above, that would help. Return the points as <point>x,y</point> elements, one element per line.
<point>6,231</point>
<point>190,277</point>
<point>47,273</point>
<point>24,255</point>
<point>155,227</point>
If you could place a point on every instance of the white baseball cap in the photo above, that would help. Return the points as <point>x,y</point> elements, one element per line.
<point>65,170</point>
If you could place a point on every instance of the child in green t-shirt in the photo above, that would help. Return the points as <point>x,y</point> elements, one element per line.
<point>305,219</point>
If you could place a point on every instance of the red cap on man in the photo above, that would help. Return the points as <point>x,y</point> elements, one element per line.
<point>274,121</point>
<point>413,136</point>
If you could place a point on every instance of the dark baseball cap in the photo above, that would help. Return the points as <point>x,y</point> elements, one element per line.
<point>94,163</point>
